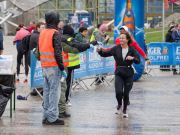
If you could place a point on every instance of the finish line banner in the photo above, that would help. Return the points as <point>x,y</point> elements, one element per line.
<point>163,53</point>
<point>91,64</point>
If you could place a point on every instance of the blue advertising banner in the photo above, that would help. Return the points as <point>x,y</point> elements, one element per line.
<point>91,64</point>
<point>176,53</point>
<point>36,73</point>
<point>131,14</point>
<point>160,53</point>
<point>164,53</point>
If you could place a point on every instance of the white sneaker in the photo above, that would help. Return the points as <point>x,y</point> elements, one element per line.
<point>68,103</point>
<point>125,115</point>
<point>118,112</point>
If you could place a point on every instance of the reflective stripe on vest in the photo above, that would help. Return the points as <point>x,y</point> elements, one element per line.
<point>65,59</point>
<point>46,48</point>
<point>47,56</point>
<point>74,60</point>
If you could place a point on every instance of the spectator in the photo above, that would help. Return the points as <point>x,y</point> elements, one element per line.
<point>81,35</point>
<point>60,27</point>
<point>73,58</point>
<point>176,33</point>
<point>99,34</point>
<point>35,35</point>
<point>176,38</point>
<point>66,49</point>
<point>168,39</point>
<point>20,34</point>
<point>32,26</point>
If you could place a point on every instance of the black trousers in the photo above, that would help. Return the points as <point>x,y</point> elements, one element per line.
<point>20,55</point>
<point>122,88</point>
<point>69,82</point>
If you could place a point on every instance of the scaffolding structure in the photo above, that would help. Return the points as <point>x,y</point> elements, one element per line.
<point>100,10</point>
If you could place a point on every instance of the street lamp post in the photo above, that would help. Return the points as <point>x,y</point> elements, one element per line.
<point>163,18</point>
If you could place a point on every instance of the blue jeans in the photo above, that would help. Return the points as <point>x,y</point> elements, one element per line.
<point>51,93</point>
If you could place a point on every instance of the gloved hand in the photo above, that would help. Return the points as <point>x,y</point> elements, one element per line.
<point>94,43</point>
<point>64,74</point>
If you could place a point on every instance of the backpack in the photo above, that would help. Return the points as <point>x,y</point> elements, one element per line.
<point>25,43</point>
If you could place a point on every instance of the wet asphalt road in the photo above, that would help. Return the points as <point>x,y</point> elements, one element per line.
<point>154,109</point>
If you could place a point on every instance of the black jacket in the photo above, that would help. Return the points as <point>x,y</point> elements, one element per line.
<point>34,40</point>
<point>169,37</point>
<point>116,52</point>
<point>79,45</point>
<point>67,47</point>
<point>76,44</point>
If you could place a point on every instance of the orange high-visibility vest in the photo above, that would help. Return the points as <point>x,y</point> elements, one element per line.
<point>65,59</point>
<point>46,48</point>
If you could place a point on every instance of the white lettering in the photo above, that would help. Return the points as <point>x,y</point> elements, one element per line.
<point>159,58</point>
<point>178,50</point>
<point>96,65</point>
<point>38,75</point>
<point>154,51</point>
<point>177,58</point>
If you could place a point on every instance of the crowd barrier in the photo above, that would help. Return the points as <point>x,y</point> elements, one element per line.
<point>91,65</point>
<point>162,53</point>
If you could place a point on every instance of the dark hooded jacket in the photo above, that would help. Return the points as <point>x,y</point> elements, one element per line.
<point>68,30</point>
<point>169,35</point>
<point>52,20</point>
